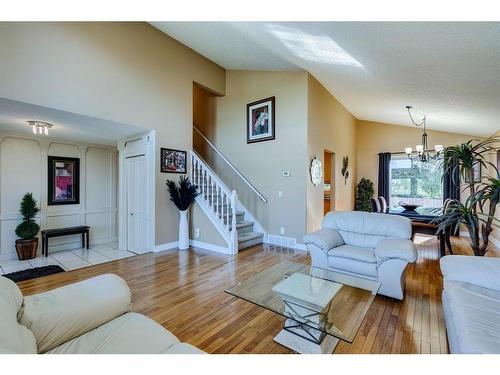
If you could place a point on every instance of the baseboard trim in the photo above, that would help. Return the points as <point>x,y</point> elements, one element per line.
<point>493,240</point>
<point>166,246</point>
<point>209,246</point>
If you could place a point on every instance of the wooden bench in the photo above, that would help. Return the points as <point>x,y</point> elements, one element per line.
<point>84,230</point>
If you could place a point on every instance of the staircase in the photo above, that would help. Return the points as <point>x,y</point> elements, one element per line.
<point>222,207</point>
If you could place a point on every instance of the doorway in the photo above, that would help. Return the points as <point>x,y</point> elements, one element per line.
<point>329,181</point>
<point>136,191</point>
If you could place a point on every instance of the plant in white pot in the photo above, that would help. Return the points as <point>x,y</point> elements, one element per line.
<point>182,194</point>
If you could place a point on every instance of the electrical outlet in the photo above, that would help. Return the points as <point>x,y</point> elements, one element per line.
<point>282,230</point>
<point>197,232</point>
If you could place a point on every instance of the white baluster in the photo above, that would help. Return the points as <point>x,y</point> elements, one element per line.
<point>226,200</point>
<point>234,234</point>
<point>212,187</point>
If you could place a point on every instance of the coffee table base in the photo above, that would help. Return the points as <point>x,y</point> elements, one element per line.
<point>293,336</point>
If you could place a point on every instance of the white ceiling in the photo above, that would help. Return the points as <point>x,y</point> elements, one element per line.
<point>67,126</point>
<point>449,71</point>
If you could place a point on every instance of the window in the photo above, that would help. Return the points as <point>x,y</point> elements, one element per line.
<point>416,183</point>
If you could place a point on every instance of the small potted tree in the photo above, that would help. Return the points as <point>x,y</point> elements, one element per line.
<point>27,244</point>
<point>182,194</point>
<point>364,194</point>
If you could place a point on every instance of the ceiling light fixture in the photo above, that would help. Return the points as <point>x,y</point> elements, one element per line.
<point>422,153</point>
<point>40,127</point>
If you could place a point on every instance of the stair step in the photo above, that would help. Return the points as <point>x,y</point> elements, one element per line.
<point>240,216</point>
<point>244,227</point>
<point>249,239</point>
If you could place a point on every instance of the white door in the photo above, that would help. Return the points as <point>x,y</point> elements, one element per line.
<point>137,203</point>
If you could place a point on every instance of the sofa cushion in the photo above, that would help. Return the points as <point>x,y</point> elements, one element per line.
<point>473,313</point>
<point>61,314</point>
<point>367,229</point>
<point>361,254</point>
<point>14,338</point>
<point>130,333</point>
<point>353,266</point>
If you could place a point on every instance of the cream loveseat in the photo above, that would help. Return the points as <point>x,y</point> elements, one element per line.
<point>374,246</point>
<point>89,317</point>
<point>471,303</point>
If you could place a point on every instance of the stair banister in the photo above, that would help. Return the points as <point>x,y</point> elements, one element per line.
<point>254,189</point>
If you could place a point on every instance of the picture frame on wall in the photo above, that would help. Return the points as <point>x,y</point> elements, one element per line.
<point>63,180</point>
<point>261,120</point>
<point>477,173</point>
<point>172,161</point>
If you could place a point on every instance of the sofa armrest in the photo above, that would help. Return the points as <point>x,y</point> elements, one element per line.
<point>64,313</point>
<point>396,248</point>
<point>480,271</point>
<point>325,239</point>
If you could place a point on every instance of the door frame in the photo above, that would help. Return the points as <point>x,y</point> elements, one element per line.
<point>142,144</point>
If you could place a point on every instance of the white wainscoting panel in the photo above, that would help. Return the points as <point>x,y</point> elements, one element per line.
<point>23,168</point>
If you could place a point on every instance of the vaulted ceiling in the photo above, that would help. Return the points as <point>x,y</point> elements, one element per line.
<point>449,71</point>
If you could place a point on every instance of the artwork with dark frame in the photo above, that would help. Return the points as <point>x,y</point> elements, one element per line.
<point>498,160</point>
<point>63,180</point>
<point>477,173</point>
<point>172,161</point>
<point>260,120</point>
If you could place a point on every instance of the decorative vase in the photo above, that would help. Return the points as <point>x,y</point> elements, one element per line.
<point>183,230</point>
<point>26,249</point>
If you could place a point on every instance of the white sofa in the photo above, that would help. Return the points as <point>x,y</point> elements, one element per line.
<point>375,246</point>
<point>88,317</point>
<point>471,303</point>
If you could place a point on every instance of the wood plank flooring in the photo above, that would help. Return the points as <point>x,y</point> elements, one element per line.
<point>184,291</point>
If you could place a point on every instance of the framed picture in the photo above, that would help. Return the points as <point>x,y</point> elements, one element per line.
<point>260,120</point>
<point>64,180</point>
<point>172,161</point>
<point>477,173</point>
<point>498,160</point>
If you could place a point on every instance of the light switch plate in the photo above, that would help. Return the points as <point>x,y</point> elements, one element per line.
<point>282,230</point>
<point>280,193</point>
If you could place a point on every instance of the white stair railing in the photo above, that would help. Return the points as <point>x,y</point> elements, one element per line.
<point>216,200</point>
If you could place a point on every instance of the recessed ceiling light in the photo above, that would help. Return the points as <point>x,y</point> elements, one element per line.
<point>40,127</point>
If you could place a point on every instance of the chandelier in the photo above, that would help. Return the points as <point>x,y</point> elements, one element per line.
<point>40,127</point>
<point>422,153</point>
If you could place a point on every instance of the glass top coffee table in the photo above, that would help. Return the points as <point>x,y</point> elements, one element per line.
<point>321,306</point>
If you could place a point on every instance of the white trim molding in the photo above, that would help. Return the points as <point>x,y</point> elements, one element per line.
<point>166,246</point>
<point>211,247</point>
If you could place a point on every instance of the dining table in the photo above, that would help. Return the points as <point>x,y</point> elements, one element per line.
<point>425,220</point>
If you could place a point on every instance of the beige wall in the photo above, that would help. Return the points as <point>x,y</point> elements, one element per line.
<point>125,72</point>
<point>373,138</point>
<point>330,127</point>
<point>262,163</point>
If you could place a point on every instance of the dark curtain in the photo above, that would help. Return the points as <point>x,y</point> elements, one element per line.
<point>451,182</point>
<point>384,160</point>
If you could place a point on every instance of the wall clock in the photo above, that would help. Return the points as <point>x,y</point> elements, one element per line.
<point>316,171</point>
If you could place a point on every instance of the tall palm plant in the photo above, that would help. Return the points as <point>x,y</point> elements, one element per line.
<point>477,212</point>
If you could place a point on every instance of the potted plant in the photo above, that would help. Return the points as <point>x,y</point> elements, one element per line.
<point>364,194</point>
<point>477,213</point>
<point>27,244</point>
<point>182,194</point>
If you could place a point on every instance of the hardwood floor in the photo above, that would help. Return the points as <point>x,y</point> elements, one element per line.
<point>184,291</point>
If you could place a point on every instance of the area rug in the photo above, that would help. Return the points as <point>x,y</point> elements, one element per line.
<point>33,273</point>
